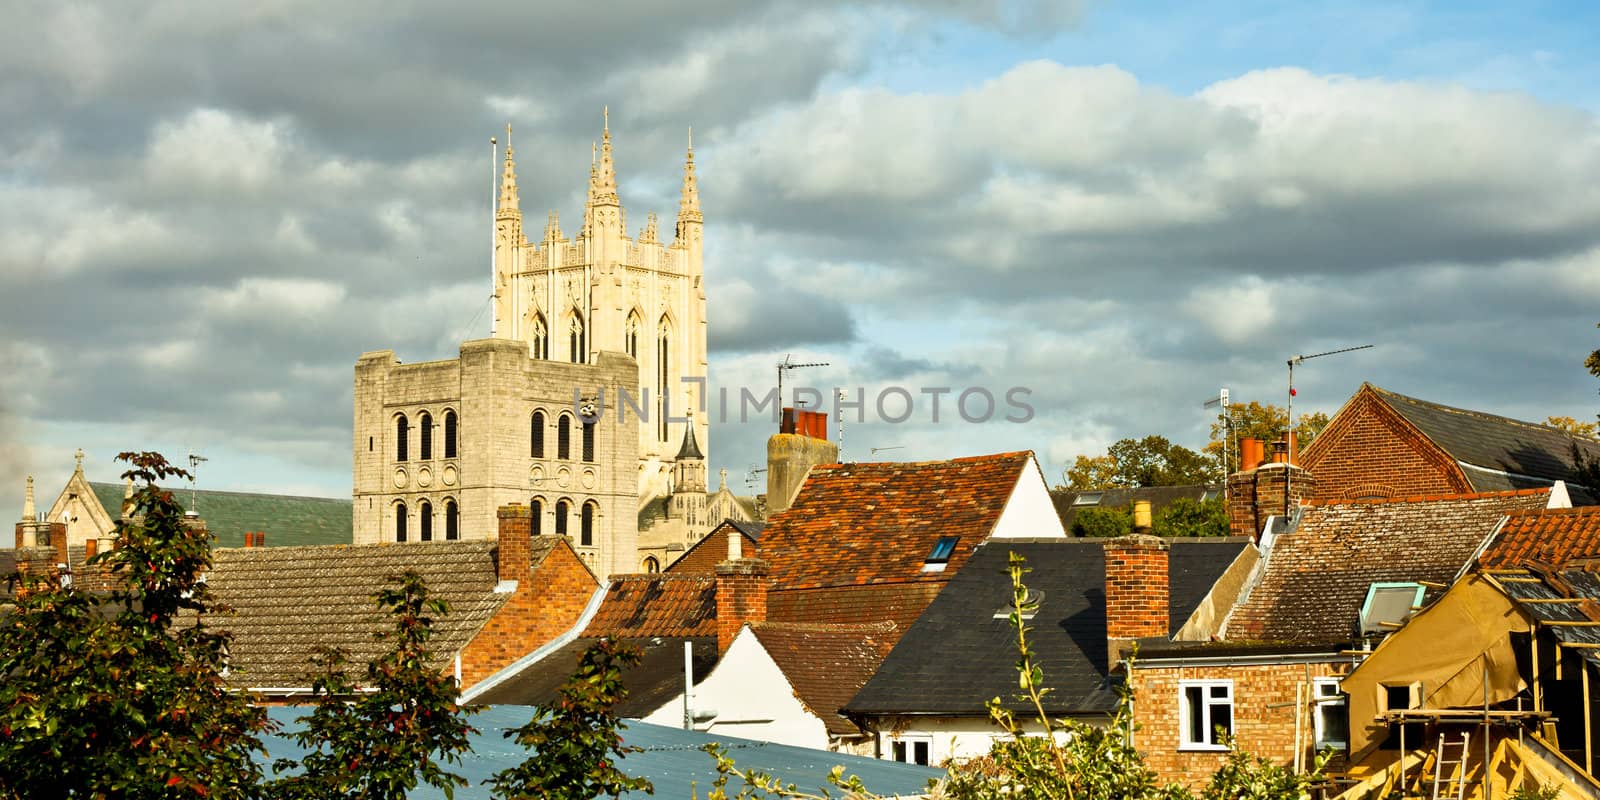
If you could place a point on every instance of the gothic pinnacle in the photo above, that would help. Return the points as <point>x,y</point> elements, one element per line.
<point>689,203</point>
<point>508,180</point>
<point>28,514</point>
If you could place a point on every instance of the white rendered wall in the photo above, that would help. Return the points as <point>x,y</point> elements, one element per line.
<point>752,698</point>
<point>959,738</point>
<point>1029,511</point>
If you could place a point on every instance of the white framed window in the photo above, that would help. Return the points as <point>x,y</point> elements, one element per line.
<point>1332,719</point>
<point>1205,710</point>
<point>911,749</point>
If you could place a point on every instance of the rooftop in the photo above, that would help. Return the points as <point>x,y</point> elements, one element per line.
<point>659,604</point>
<point>1551,535</point>
<point>855,524</point>
<point>287,520</point>
<point>1317,575</point>
<point>825,664</point>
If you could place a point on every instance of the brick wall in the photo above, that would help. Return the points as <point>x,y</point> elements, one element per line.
<point>1371,452</point>
<point>1263,710</point>
<point>741,597</point>
<point>1258,494</point>
<point>713,550</point>
<point>546,604</point>
<point>1136,587</point>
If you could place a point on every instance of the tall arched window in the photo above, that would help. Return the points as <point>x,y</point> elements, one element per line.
<point>452,521</point>
<point>450,433</point>
<point>536,436</point>
<point>630,336</point>
<point>588,441</point>
<point>400,438</point>
<point>425,434</point>
<point>563,510</point>
<point>541,337</point>
<point>399,522</point>
<point>576,344</point>
<point>586,525</point>
<point>663,370</point>
<point>564,437</point>
<point>536,513</point>
<point>425,521</point>
<point>651,565</point>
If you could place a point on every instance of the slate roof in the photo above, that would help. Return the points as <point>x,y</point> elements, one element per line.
<point>855,524</point>
<point>1067,506</point>
<point>825,664</point>
<point>673,759</point>
<point>1580,582</point>
<point>654,681</point>
<point>1496,443</point>
<point>1316,576</point>
<point>661,604</point>
<point>1551,535</point>
<point>286,601</point>
<point>288,521</point>
<point>959,654</point>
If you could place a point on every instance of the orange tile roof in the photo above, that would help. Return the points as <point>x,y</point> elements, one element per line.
<point>855,524</point>
<point>1555,536</point>
<point>657,605</point>
<point>825,664</point>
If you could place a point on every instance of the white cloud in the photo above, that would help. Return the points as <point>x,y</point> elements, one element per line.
<point>216,149</point>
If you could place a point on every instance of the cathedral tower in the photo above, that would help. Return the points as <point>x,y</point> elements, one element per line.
<point>570,299</point>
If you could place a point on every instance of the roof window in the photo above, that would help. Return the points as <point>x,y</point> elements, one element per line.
<point>1389,605</point>
<point>1088,498</point>
<point>939,556</point>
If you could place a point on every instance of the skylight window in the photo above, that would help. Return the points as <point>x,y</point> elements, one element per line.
<point>1088,498</point>
<point>940,555</point>
<point>1388,605</point>
<point>1211,494</point>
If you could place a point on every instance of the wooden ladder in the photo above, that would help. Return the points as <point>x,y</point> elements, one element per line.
<point>1447,770</point>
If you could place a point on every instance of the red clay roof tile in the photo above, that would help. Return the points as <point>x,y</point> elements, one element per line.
<point>1554,536</point>
<point>825,664</point>
<point>856,524</point>
<point>657,605</point>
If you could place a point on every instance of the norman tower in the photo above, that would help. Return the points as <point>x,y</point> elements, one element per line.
<point>570,299</point>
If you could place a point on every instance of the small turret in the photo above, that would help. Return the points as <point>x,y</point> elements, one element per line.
<point>29,514</point>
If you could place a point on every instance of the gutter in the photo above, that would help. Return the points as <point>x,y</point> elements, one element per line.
<point>516,667</point>
<point>1148,661</point>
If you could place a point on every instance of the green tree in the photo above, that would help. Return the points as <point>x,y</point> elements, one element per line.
<point>1188,517</point>
<point>121,694</point>
<point>1151,461</point>
<point>1102,523</point>
<point>1264,421</point>
<point>377,738</point>
<point>1587,430</point>
<point>574,739</point>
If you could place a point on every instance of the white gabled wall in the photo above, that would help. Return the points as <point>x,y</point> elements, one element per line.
<point>752,698</point>
<point>1029,511</point>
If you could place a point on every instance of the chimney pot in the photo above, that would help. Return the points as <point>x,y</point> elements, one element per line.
<point>1141,516</point>
<point>735,545</point>
<point>90,548</point>
<point>1250,452</point>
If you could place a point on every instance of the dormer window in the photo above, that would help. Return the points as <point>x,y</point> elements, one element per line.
<point>1088,498</point>
<point>1389,605</point>
<point>939,556</point>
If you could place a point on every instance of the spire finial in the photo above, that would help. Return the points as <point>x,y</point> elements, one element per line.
<point>606,184</point>
<point>689,202</point>
<point>28,513</point>
<point>605,112</point>
<point>508,180</point>
<point>79,456</point>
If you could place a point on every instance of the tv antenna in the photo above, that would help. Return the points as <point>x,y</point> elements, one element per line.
<point>786,365</point>
<point>1229,437</point>
<point>877,450</point>
<point>750,475</point>
<point>195,460</point>
<point>1288,435</point>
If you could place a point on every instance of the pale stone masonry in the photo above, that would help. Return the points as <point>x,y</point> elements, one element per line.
<point>494,391</point>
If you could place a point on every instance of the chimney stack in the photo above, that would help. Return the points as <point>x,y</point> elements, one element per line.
<point>800,444</point>
<point>1258,493</point>
<point>1137,591</point>
<point>741,593</point>
<point>516,542</point>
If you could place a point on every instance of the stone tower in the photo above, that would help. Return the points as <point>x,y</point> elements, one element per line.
<point>569,299</point>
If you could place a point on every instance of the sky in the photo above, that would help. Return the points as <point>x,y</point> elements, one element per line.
<point>209,211</point>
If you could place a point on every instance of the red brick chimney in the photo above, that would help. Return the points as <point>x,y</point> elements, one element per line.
<point>1256,494</point>
<point>58,541</point>
<point>741,592</point>
<point>1137,590</point>
<point>516,542</point>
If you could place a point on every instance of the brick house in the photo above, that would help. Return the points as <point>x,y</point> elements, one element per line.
<point>876,542</point>
<point>704,556</point>
<point>928,702</point>
<point>506,597</point>
<point>1383,444</point>
<point>1336,580</point>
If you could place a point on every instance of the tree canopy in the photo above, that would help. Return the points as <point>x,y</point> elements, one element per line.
<point>1257,420</point>
<point>1131,463</point>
